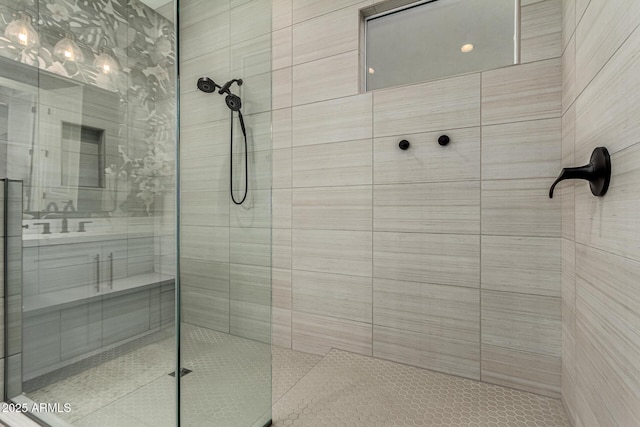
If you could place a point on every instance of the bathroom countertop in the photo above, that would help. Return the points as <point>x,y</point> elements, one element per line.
<point>57,300</point>
<point>33,240</point>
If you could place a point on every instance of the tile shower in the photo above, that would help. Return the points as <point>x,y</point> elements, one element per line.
<point>361,264</point>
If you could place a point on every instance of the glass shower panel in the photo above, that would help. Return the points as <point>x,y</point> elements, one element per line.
<point>88,95</point>
<point>225,268</point>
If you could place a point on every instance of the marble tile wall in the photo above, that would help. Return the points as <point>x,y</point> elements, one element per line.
<point>600,251</point>
<point>446,258</point>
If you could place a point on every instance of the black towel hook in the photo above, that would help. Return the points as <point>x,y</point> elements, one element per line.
<point>597,172</point>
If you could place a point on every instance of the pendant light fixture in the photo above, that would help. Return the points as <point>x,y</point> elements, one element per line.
<point>21,32</point>
<point>67,49</point>
<point>104,62</point>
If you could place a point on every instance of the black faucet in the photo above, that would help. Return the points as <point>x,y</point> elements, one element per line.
<point>81,224</point>
<point>47,227</point>
<point>54,205</point>
<point>597,172</point>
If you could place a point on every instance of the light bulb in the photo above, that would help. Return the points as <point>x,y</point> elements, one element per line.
<point>371,70</point>
<point>21,32</point>
<point>466,48</point>
<point>67,50</point>
<point>105,63</point>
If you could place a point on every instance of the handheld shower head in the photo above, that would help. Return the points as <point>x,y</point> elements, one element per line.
<point>207,85</point>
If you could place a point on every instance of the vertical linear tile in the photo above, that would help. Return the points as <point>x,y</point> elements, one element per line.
<point>531,372</point>
<point>333,295</point>
<point>604,107</point>
<point>343,119</point>
<point>522,150</point>
<point>603,29</point>
<point>569,75</point>
<point>326,35</point>
<point>327,78</point>
<point>528,323</point>
<point>337,164</point>
<point>568,21</point>
<point>522,92</point>
<point>318,334</point>
<point>426,160</point>
<point>333,208</point>
<point>520,208</point>
<point>309,9</point>
<point>440,354</point>
<point>447,103</point>
<point>541,31</point>
<point>611,222</point>
<point>529,265</point>
<point>332,251</point>
<point>447,207</point>
<point>282,87</point>
<point>436,310</point>
<point>281,48</point>
<point>445,259</point>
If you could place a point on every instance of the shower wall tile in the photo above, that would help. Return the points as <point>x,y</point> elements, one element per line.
<point>528,265</point>
<point>282,48</point>
<point>447,207</point>
<point>343,119</point>
<point>282,88</point>
<point>445,259</point>
<point>250,246</point>
<point>209,275</point>
<point>247,21</point>
<point>333,208</point>
<point>604,108</point>
<point>581,7</point>
<point>209,208</point>
<point>249,320</point>
<point>194,11</point>
<point>281,128</point>
<point>249,283</point>
<point>531,372</point>
<point>442,104</point>
<point>450,312</point>
<point>281,288</point>
<point>520,208</point>
<point>204,36</point>
<point>426,161</point>
<point>333,295</point>
<point>527,323</point>
<point>280,327</point>
<point>281,13</point>
<point>205,243</point>
<point>327,78</point>
<point>205,140</point>
<point>312,333</point>
<point>332,251</point>
<point>569,75</point>
<point>281,174</point>
<point>281,248</point>
<point>197,108</point>
<point>326,35</point>
<point>541,31</point>
<point>441,354</point>
<point>522,150</point>
<point>308,9</point>
<point>607,307</point>
<point>568,21</point>
<point>214,64</point>
<point>336,164</point>
<point>611,223</point>
<point>522,92</point>
<point>603,29</point>
<point>255,212</point>
<point>252,57</point>
<point>206,308</point>
<point>281,208</point>
<point>569,318</point>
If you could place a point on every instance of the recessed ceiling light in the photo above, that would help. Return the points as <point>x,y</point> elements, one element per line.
<point>466,48</point>
<point>371,70</point>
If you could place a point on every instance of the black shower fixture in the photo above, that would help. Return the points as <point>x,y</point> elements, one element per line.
<point>234,103</point>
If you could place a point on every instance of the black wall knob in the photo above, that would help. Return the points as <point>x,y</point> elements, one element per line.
<point>444,140</point>
<point>404,144</point>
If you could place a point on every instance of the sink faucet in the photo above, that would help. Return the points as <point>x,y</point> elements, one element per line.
<point>68,206</point>
<point>53,205</point>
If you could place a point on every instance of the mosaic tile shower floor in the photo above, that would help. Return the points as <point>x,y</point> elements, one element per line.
<point>133,389</point>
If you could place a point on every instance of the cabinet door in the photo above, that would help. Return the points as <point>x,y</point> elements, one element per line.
<point>41,342</point>
<point>125,316</point>
<point>81,329</point>
<point>69,266</point>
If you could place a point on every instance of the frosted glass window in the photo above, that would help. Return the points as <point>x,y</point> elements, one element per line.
<point>431,40</point>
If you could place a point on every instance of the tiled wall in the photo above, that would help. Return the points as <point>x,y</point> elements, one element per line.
<point>442,257</point>
<point>600,251</point>
<point>225,264</point>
